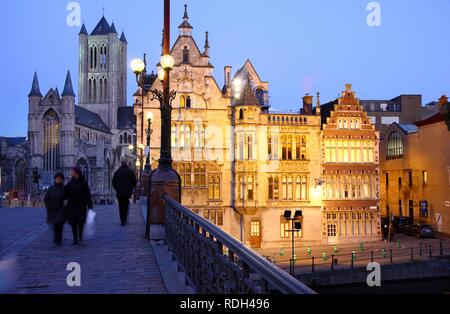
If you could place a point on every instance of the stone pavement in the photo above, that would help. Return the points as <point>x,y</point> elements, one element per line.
<point>114,260</point>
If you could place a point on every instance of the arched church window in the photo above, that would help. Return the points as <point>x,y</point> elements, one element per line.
<point>182,102</point>
<point>52,128</point>
<point>94,88</point>
<point>121,139</point>
<point>129,139</point>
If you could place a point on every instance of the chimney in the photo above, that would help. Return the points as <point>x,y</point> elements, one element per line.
<point>318,108</point>
<point>227,80</point>
<point>307,104</point>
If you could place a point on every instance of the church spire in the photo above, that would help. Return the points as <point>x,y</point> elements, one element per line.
<point>35,90</point>
<point>68,87</point>
<point>206,53</point>
<point>185,27</point>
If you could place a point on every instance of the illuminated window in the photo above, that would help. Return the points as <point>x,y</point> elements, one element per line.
<point>182,102</point>
<point>394,146</point>
<point>52,128</point>
<point>214,188</point>
<point>425,177</point>
<point>174,136</point>
<point>255,229</point>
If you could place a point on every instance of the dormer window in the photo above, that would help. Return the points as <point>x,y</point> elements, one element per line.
<point>185,54</point>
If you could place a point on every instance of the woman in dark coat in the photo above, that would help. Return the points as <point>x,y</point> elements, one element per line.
<point>54,202</point>
<point>79,198</point>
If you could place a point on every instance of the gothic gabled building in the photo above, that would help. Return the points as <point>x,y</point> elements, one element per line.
<point>92,135</point>
<point>242,165</point>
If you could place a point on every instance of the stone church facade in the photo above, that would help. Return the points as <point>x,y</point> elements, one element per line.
<point>242,165</point>
<point>93,134</point>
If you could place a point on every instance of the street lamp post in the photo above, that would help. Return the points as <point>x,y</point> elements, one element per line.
<point>296,226</point>
<point>164,179</point>
<point>148,167</point>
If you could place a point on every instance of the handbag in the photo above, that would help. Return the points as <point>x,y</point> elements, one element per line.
<point>90,224</point>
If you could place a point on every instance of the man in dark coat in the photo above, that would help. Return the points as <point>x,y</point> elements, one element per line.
<point>79,198</point>
<point>54,202</point>
<point>124,182</point>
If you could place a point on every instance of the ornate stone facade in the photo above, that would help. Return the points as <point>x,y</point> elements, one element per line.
<point>241,165</point>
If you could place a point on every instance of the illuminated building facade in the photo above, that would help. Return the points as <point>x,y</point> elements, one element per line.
<point>416,170</point>
<point>242,166</point>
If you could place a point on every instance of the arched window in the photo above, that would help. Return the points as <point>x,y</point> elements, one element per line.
<point>182,102</point>
<point>52,128</point>
<point>121,139</point>
<point>103,57</point>
<point>185,54</point>
<point>20,175</point>
<point>129,139</point>
<point>105,89</point>
<point>94,88</point>
<point>394,146</point>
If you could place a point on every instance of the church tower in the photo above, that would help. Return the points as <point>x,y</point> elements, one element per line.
<point>103,71</point>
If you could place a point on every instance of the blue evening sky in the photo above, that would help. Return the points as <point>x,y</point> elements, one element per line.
<point>299,46</point>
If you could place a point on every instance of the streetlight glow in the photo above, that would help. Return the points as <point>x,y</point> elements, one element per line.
<point>167,62</point>
<point>149,116</point>
<point>137,66</point>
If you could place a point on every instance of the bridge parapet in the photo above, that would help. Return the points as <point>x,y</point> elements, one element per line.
<point>217,263</point>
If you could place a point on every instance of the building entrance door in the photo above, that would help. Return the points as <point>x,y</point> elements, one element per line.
<point>255,234</point>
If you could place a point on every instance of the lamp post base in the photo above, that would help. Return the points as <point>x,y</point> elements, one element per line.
<point>164,181</point>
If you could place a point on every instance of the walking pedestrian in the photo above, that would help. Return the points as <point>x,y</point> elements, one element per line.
<point>124,182</point>
<point>54,203</point>
<point>79,198</point>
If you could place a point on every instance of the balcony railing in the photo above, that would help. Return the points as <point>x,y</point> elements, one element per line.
<point>217,263</point>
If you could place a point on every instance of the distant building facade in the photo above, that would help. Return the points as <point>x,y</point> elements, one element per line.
<point>242,166</point>
<point>92,135</point>
<point>415,178</point>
